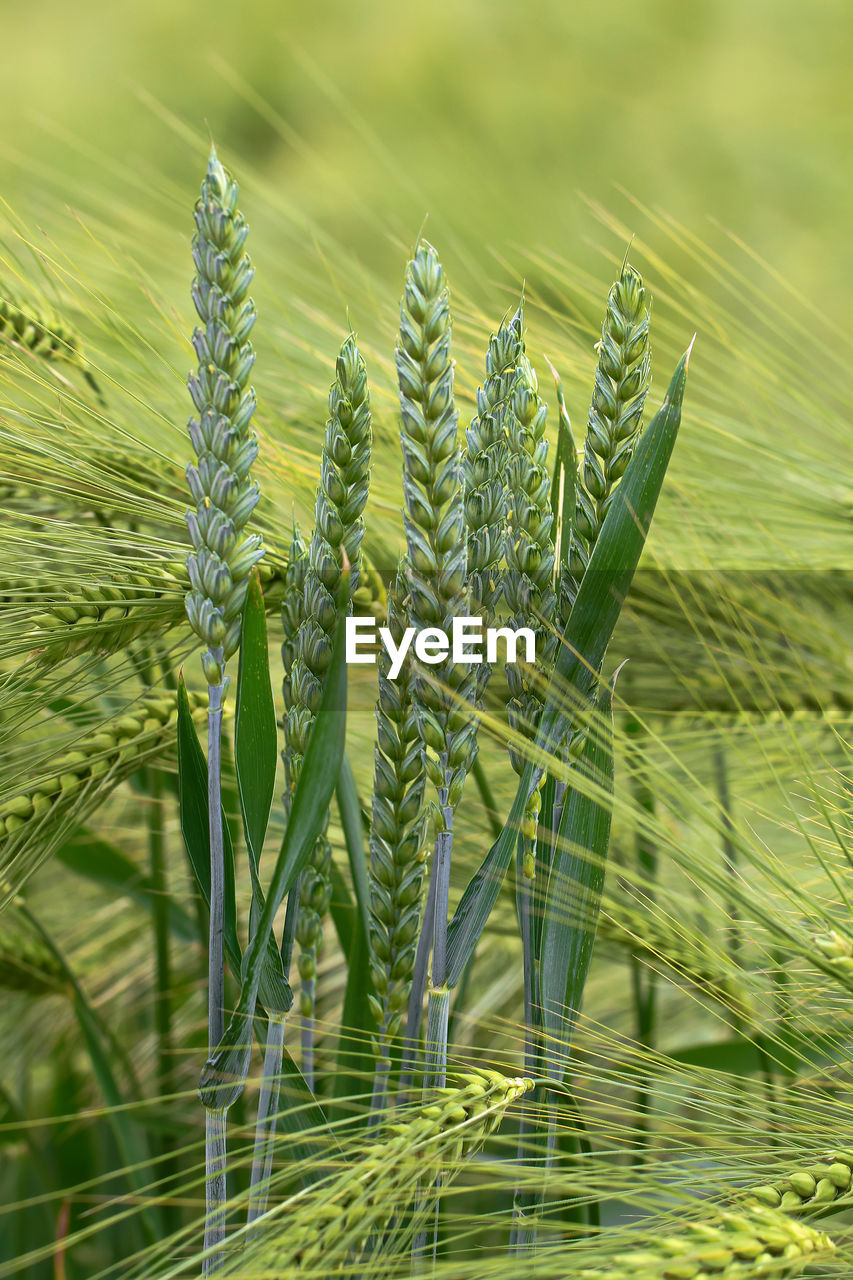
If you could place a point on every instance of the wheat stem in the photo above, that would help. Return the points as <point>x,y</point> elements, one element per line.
<point>265,1127</point>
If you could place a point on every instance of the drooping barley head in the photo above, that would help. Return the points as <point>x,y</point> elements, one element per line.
<point>334,1228</point>
<point>732,1246</point>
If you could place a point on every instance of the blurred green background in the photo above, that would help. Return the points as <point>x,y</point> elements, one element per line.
<point>494,118</point>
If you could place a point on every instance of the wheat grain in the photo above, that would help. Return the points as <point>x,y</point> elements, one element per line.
<point>815,1186</point>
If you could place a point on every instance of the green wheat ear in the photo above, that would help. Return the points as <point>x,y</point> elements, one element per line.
<point>221,485</point>
<point>483,467</point>
<point>434,514</point>
<point>529,587</point>
<point>622,379</point>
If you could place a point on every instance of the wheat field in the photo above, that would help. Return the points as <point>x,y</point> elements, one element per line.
<point>314,967</point>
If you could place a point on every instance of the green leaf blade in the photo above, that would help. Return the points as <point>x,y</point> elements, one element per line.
<point>255,733</point>
<point>195,822</point>
<point>224,1073</point>
<point>573,897</point>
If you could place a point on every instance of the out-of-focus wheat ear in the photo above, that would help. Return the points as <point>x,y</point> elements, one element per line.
<point>336,542</point>
<point>622,379</point>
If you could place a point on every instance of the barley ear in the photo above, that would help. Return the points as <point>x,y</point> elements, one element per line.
<point>46,335</point>
<point>812,1187</point>
<point>732,1246</point>
<point>380,1195</point>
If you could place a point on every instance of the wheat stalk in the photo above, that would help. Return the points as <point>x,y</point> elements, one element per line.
<point>222,556</point>
<point>436,567</point>
<point>336,543</point>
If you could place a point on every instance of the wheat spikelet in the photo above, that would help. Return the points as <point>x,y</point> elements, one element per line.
<point>221,485</point>
<point>734,1246</point>
<point>396,835</point>
<point>330,1230</point>
<point>621,382</point>
<point>336,543</point>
